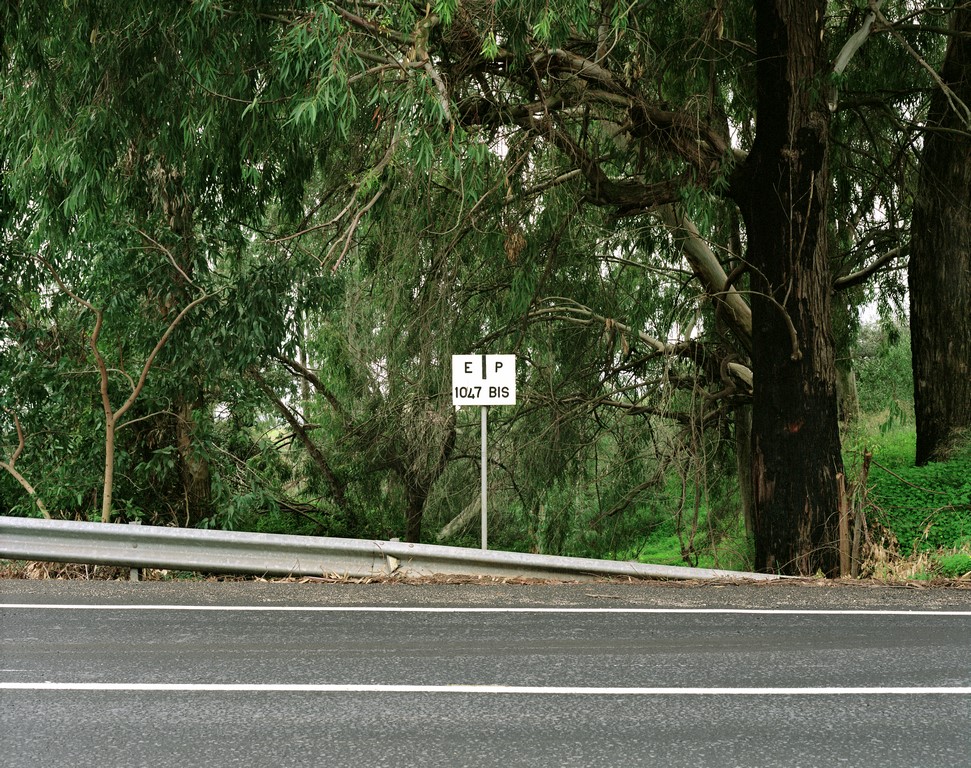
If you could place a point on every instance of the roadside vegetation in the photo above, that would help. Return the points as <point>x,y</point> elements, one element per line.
<point>916,521</point>
<point>238,250</point>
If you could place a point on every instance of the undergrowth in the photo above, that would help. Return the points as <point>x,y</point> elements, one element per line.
<point>927,508</point>
<point>918,519</point>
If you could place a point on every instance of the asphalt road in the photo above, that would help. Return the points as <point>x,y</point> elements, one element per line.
<point>209,674</point>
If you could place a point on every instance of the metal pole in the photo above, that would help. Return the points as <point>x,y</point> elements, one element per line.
<point>484,490</point>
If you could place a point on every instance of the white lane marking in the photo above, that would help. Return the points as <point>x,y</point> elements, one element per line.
<point>471,609</point>
<point>479,689</point>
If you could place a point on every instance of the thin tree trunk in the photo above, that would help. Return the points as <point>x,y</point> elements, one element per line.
<point>11,467</point>
<point>414,512</point>
<point>940,260</point>
<point>196,478</point>
<point>177,206</point>
<point>849,398</point>
<point>782,194</point>
<point>302,356</point>
<point>31,491</point>
<point>113,417</point>
<point>462,520</point>
<point>109,477</point>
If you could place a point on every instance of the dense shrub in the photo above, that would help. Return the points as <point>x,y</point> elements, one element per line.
<point>925,507</point>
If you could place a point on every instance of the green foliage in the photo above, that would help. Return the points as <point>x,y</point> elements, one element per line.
<point>953,566</point>
<point>731,551</point>
<point>695,525</point>
<point>883,367</point>
<point>927,508</point>
<point>361,194</point>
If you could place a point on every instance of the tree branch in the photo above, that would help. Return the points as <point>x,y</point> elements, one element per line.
<point>337,490</point>
<point>152,355</point>
<point>170,256</point>
<point>378,30</point>
<point>630,196</point>
<point>862,275</point>
<point>572,311</point>
<point>11,469</point>
<point>299,369</point>
<point>960,108</point>
<point>849,50</point>
<point>709,272</point>
<point>348,233</point>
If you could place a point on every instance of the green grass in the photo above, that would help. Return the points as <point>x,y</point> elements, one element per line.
<point>953,566</point>
<point>712,541</point>
<point>926,508</point>
<point>732,551</point>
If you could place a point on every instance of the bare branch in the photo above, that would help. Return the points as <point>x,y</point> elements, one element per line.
<point>152,355</point>
<point>571,311</point>
<point>170,255</point>
<point>864,274</point>
<point>960,108</point>
<point>543,186</point>
<point>337,490</point>
<point>440,85</point>
<point>348,233</point>
<point>146,417</point>
<point>316,227</point>
<point>60,284</point>
<point>299,369</point>
<point>20,437</point>
<point>11,469</point>
<point>373,28</point>
<point>709,271</point>
<point>849,50</point>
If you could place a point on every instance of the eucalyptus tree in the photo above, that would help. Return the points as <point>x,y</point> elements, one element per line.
<point>940,261</point>
<point>580,85</point>
<point>594,95</point>
<point>596,100</point>
<point>635,197</point>
<point>135,208</point>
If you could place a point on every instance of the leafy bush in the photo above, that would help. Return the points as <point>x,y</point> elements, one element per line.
<point>954,566</point>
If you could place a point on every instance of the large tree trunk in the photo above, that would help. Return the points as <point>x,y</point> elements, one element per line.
<point>743,459</point>
<point>940,261</point>
<point>782,193</point>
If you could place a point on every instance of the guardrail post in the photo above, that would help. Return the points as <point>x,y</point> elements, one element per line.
<point>134,574</point>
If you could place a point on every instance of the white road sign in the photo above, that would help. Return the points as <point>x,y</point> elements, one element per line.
<point>484,379</point>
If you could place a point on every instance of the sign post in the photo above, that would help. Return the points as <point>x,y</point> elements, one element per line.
<point>484,380</point>
<point>483,477</point>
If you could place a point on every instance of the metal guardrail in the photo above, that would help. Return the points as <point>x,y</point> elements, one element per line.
<point>188,549</point>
